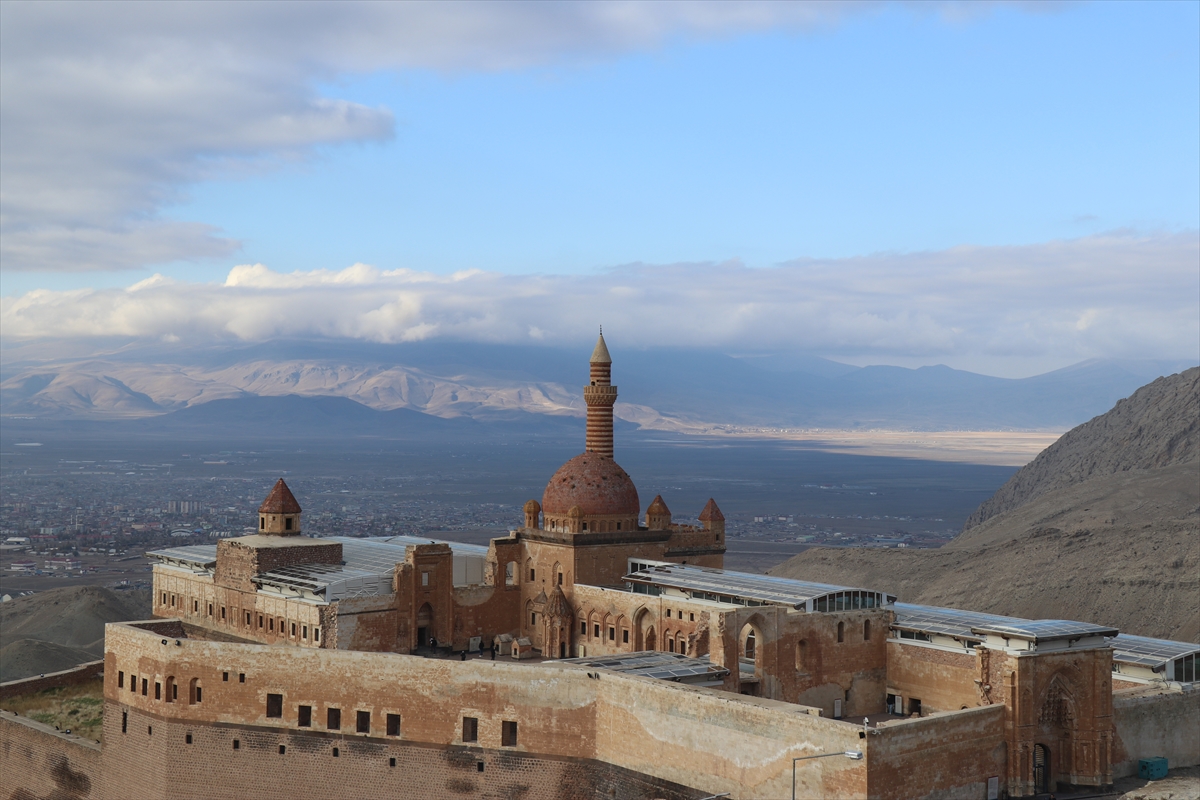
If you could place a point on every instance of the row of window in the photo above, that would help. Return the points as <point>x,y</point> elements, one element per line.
<point>237,743</point>
<point>362,721</point>
<point>298,630</point>
<point>195,691</point>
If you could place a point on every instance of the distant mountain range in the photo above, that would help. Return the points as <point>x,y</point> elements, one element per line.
<point>667,389</point>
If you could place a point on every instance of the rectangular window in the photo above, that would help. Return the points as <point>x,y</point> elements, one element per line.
<point>533,618</point>
<point>335,752</point>
<point>145,686</point>
<point>199,693</point>
<point>164,598</point>
<point>241,677</point>
<point>283,747</point>
<point>668,613</point>
<point>210,609</point>
<point>196,606</point>
<point>333,719</point>
<point>225,676</point>
<point>157,690</point>
<point>121,679</point>
<point>237,744</point>
<point>363,722</point>
<point>470,729</point>
<point>612,633</point>
<point>508,734</point>
<point>260,623</point>
<point>133,683</point>
<point>271,624</point>
<point>393,724</point>
<point>391,762</point>
<point>424,578</point>
<point>691,617</point>
<point>248,623</point>
<point>188,739</point>
<point>596,631</point>
<point>532,572</point>
<point>293,630</point>
<point>304,717</point>
<point>625,637</point>
<point>304,632</point>
<point>275,706</point>
<point>124,722</point>
<point>222,612</point>
<point>582,628</point>
<point>174,691</point>
<point>316,634</point>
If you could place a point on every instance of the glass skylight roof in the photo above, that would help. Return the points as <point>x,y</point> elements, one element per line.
<point>652,664</point>
<point>973,625</point>
<point>199,555</point>
<point>765,588</point>
<point>1148,652</point>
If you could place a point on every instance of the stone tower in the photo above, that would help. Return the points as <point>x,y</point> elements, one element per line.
<point>600,395</point>
<point>279,515</point>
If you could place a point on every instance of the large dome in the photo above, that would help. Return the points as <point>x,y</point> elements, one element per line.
<point>594,483</point>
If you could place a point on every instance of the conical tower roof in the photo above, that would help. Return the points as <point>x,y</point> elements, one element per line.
<point>657,506</point>
<point>600,354</point>
<point>558,607</point>
<point>711,513</point>
<point>280,501</point>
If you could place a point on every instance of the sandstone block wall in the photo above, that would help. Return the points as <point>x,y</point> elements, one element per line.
<point>1165,724</point>
<point>36,761</point>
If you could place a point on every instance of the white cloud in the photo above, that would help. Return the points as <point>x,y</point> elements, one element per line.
<point>111,110</point>
<point>1118,296</point>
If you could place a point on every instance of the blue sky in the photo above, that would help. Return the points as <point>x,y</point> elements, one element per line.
<point>544,141</point>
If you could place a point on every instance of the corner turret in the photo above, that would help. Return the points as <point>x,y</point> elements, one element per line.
<point>279,514</point>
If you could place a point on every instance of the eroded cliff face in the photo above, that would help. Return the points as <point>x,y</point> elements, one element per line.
<point>1101,527</point>
<point>1157,426</point>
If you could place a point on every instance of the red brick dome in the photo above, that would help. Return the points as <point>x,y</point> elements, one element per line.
<point>594,483</point>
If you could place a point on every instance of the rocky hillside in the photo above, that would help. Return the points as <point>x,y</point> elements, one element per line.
<point>1157,426</point>
<point>59,628</point>
<point>1103,527</point>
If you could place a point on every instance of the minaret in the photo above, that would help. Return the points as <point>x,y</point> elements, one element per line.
<point>600,395</point>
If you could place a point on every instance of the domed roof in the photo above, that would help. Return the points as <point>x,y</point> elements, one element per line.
<point>532,507</point>
<point>594,483</point>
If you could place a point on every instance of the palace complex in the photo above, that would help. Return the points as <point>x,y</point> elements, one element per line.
<point>598,650</point>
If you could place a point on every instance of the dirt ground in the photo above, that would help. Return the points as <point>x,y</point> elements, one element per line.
<point>1180,784</point>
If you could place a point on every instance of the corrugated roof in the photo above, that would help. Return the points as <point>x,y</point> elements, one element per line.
<point>1149,652</point>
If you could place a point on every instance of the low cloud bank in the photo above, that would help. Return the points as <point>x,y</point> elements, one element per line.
<point>1115,296</point>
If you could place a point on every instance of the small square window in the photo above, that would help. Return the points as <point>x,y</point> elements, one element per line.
<point>479,766</point>
<point>391,762</point>
<point>188,738</point>
<point>282,749</point>
<point>225,676</point>
<point>691,617</point>
<point>237,744</point>
<point>335,752</point>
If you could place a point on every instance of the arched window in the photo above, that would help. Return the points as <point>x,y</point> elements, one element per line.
<point>195,692</point>
<point>172,689</point>
<point>841,631</point>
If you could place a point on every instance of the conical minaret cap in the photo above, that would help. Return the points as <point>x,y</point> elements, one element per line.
<point>600,354</point>
<point>280,500</point>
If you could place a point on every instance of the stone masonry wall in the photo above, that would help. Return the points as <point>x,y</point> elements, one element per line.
<point>1165,723</point>
<point>36,761</point>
